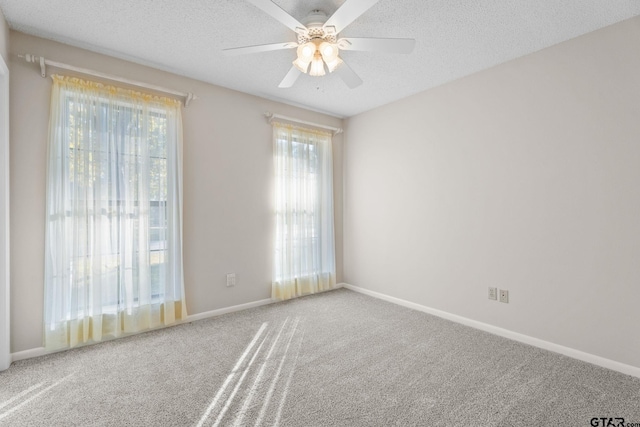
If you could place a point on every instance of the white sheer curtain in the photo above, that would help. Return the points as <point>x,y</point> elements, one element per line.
<point>304,260</point>
<point>113,245</point>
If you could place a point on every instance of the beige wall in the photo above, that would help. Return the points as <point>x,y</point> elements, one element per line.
<point>4,38</point>
<point>227,183</point>
<point>525,177</point>
<point>5,354</point>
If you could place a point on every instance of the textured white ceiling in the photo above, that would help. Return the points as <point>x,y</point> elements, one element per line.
<point>454,38</point>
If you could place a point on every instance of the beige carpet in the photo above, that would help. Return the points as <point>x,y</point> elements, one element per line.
<point>334,359</point>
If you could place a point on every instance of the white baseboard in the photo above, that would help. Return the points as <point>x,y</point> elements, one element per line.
<point>28,354</point>
<point>221,311</point>
<point>546,345</point>
<point>41,351</point>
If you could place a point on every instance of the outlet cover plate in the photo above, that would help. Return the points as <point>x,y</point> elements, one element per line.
<point>493,294</point>
<point>231,280</point>
<point>504,296</point>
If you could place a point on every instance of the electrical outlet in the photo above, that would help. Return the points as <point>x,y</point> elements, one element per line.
<point>504,296</point>
<point>231,279</point>
<point>493,293</point>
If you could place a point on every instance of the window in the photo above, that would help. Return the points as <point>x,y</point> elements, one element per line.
<point>304,254</point>
<point>113,245</point>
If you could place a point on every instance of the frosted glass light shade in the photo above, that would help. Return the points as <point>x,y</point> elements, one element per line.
<point>329,51</point>
<point>334,64</point>
<point>306,51</point>
<point>317,67</point>
<point>301,64</point>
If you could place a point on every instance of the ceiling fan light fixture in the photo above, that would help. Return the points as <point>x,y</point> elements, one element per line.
<point>306,51</point>
<point>329,51</point>
<point>333,65</point>
<point>317,66</point>
<point>301,64</point>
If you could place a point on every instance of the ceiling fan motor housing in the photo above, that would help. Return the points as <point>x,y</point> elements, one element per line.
<point>314,23</point>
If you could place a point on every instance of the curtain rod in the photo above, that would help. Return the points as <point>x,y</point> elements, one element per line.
<point>188,97</point>
<point>271,116</point>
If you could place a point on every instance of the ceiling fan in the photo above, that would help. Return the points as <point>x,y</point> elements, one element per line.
<point>318,44</point>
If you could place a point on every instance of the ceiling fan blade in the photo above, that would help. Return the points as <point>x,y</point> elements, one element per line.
<point>348,76</point>
<point>290,78</point>
<point>377,45</point>
<point>278,13</point>
<point>259,48</point>
<point>347,13</point>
